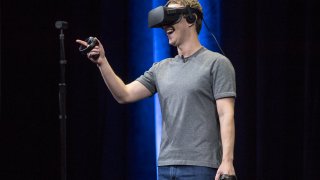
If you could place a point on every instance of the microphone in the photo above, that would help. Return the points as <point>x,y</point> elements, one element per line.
<point>61,25</point>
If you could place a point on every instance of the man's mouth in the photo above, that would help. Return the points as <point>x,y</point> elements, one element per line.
<point>169,30</point>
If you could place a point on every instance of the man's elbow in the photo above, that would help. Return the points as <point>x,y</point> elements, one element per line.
<point>123,100</point>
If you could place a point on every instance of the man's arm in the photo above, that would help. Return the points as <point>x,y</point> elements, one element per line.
<point>121,92</point>
<point>225,107</point>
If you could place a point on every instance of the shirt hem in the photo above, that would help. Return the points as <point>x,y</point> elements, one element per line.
<point>225,95</point>
<point>145,84</point>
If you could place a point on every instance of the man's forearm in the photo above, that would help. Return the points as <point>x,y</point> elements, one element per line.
<point>113,82</point>
<point>227,129</point>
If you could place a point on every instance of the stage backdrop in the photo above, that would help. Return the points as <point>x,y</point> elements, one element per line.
<point>273,46</point>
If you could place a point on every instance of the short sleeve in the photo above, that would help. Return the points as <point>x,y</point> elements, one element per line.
<point>148,79</point>
<point>223,78</point>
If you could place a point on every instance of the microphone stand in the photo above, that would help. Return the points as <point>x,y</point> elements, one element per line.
<point>61,25</point>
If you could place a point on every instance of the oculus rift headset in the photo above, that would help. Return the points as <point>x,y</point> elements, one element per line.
<point>166,16</point>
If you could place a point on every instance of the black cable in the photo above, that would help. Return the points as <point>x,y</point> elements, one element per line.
<point>213,36</point>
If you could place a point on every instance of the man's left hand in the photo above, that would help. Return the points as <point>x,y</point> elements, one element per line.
<point>226,167</point>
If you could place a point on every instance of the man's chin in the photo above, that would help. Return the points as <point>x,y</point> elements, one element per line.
<point>172,43</point>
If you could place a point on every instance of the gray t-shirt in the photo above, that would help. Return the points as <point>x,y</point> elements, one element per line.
<point>188,89</point>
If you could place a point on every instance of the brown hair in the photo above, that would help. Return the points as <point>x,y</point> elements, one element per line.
<point>193,4</point>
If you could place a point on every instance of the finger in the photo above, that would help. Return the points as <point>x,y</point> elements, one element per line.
<point>96,48</point>
<point>217,175</point>
<point>95,51</point>
<point>82,42</point>
<point>97,40</point>
<point>94,57</point>
<point>91,54</point>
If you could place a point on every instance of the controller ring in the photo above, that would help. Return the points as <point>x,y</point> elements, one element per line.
<point>92,42</point>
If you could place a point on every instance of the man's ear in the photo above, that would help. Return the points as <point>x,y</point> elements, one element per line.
<point>194,22</point>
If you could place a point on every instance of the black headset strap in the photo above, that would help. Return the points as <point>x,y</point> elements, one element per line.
<point>184,10</point>
<point>196,11</point>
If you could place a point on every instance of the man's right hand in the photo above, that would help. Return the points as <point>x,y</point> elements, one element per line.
<point>97,54</point>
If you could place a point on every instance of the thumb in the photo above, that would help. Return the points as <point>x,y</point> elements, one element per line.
<point>97,40</point>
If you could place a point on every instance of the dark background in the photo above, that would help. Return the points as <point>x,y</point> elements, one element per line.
<point>273,46</point>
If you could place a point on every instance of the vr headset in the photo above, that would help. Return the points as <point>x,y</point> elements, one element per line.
<point>166,16</point>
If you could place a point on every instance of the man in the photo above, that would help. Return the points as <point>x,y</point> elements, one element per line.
<point>196,92</point>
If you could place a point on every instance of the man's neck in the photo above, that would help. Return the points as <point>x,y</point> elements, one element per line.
<point>188,48</point>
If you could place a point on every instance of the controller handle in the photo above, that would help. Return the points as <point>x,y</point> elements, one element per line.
<point>227,177</point>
